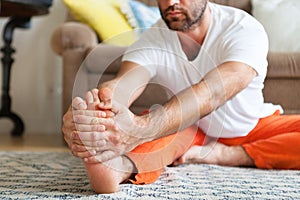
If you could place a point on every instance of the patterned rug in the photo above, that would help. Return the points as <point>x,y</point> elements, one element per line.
<point>58,175</point>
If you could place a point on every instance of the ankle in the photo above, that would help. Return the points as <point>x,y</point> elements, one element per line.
<point>129,168</point>
<point>236,156</point>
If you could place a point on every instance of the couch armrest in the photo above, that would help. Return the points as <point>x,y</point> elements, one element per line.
<point>73,41</point>
<point>284,65</point>
<point>283,80</point>
<point>73,35</point>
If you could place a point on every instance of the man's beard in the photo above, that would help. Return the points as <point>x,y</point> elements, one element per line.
<point>188,21</point>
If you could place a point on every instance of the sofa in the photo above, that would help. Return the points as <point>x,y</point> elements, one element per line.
<point>77,44</point>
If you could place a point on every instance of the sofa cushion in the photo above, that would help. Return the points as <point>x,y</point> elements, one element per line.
<point>104,58</point>
<point>281,19</point>
<point>104,17</point>
<point>241,4</point>
<point>140,15</point>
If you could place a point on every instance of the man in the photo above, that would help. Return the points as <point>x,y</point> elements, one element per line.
<point>212,59</point>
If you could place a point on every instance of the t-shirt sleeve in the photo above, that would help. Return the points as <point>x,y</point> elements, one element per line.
<point>141,56</point>
<point>248,45</point>
<point>147,51</point>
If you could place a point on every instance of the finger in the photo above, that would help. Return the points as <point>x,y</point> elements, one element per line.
<point>90,128</point>
<point>90,124</point>
<point>84,154</point>
<point>91,136</point>
<point>68,141</point>
<point>69,138</point>
<point>68,122</point>
<point>91,113</point>
<point>68,127</point>
<point>79,104</point>
<point>90,145</point>
<point>67,132</point>
<point>82,148</point>
<point>102,157</point>
<point>76,142</point>
<point>83,119</point>
<point>109,113</point>
<point>83,145</point>
<point>105,113</point>
<point>116,107</point>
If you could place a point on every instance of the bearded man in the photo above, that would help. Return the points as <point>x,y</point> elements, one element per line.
<point>212,59</point>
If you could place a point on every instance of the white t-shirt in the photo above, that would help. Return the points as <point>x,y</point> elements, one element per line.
<point>233,35</point>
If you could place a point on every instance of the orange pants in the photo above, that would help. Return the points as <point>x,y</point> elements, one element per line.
<point>273,144</point>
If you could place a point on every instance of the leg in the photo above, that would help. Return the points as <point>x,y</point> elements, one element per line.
<point>150,158</point>
<point>146,162</point>
<point>277,144</point>
<point>273,143</point>
<point>106,177</point>
<point>218,154</point>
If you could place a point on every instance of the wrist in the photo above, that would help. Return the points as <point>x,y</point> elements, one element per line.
<point>144,127</point>
<point>152,123</point>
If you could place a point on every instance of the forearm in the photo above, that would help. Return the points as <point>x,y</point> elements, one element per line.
<point>129,83</point>
<point>180,112</point>
<point>197,101</point>
<point>125,130</point>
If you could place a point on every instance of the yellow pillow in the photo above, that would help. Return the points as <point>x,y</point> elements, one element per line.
<point>105,17</point>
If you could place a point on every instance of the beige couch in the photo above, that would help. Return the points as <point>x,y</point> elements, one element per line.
<point>73,41</point>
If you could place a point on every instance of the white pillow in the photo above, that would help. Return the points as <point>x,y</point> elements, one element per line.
<point>281,20</point>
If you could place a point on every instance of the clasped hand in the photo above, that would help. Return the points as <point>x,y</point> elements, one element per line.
<point>97,131</point>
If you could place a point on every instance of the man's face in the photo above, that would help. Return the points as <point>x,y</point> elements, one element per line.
<point>181,15</point>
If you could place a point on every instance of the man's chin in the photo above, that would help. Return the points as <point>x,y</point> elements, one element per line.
<point>175,26</point>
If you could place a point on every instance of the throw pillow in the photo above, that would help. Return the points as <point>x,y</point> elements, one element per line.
<point>139,15</point>
<point>105,18</point>
<point>281,19</point>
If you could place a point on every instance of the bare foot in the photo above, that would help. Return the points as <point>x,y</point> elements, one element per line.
<point>106,177</point>
<point>216,153</point>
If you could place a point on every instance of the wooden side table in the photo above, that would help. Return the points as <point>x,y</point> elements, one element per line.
<point>19,13</point>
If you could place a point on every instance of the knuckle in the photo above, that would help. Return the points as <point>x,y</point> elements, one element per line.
<point>73,134</point>
<point>75,153</point>
<point>101,128</point>
<point>78,118</point>
<point>65,117</point>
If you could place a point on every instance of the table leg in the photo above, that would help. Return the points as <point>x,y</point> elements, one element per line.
<point>7,60</point>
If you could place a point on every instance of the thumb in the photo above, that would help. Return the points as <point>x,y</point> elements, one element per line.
<point>116,107</point>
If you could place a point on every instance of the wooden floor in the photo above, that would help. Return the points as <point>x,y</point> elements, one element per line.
<point>32,142</point>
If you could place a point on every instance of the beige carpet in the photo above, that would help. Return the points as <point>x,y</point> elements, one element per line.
<point>58,175</point>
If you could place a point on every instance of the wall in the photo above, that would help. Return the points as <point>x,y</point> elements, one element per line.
<point>36,75</point>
